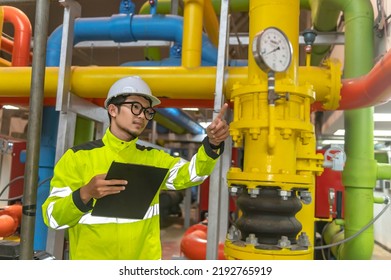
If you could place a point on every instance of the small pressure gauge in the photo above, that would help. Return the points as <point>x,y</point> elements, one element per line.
<point>272,50</point>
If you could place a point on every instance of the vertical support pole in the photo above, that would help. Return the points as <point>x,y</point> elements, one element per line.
<point>34,130</point>
<point>174,7</point>
<point>67,119</point>
<point>218,190</point>
<point>72,10</point>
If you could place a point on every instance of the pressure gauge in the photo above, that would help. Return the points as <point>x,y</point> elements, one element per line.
<point>272,50</point>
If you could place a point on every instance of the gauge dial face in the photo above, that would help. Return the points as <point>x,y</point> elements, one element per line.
<point>272,50</point>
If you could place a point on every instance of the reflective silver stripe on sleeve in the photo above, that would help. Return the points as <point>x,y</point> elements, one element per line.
<point>88,219</point>
<point>52,222</point>
<point>193,171</point>
<point>174,173</point>
<point>59,192</point>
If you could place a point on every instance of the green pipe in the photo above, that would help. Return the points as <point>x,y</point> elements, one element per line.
<point>84,130</point>
<point>324,16</point>
<point>164,7</point>
<point>333,233</point>
<point>305,4</point>
<point>383,171</point>
<point>360,173</point>
<point>380,200</point>
<point>152,53</point>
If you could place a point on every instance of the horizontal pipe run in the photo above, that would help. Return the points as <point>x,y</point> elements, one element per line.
<point>198,83</point>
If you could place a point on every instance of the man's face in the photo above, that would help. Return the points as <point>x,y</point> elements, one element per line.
<point>124,123</point>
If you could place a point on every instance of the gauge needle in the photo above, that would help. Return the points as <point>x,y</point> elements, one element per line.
<point>272,51</point>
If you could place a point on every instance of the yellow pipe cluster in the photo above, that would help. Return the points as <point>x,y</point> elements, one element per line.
<point>197,83</point>
<point>278,140</point>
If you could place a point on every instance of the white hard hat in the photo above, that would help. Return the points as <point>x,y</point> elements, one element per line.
<point>132,85</point>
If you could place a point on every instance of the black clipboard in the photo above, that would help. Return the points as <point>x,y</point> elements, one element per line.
<point>133,202</point>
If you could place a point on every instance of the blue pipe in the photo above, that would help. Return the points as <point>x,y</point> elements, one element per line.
<point>127,28</point>
<point>182,119</point>
<point>45,171</point>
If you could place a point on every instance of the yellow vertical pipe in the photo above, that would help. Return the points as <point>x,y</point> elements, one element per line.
<point>281,14</point>
<point>192,33</point>
<point>211,23</point>
<point>279,148</point>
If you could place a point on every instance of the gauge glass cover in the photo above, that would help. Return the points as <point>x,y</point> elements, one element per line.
<point>272,50</point>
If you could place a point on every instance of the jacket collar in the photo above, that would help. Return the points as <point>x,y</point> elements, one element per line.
<point>115,143</point>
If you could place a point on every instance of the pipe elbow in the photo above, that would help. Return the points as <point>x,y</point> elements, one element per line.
<point>194,242</point>
<point>10,218</point>
<point>7,225</point>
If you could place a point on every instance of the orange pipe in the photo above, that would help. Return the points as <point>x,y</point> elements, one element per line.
<point>7,226</point>
<point>369,90</point>
<point>10,219</point>
<point>8,46</point>
<point>22,35</point>
<point>193,243</point>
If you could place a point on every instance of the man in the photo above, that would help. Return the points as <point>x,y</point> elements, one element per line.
<point>79,178</point>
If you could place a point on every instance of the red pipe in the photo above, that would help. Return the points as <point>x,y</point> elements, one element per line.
<point>369,90</point>
<point>22,35</point>
<point>10,219</point>
<point>193,243</point>
<point>8,46</point>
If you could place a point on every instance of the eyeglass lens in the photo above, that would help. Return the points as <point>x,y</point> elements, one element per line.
<point>137,108</point>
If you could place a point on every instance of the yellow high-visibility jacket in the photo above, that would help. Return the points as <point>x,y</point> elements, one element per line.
<point>93,237</point>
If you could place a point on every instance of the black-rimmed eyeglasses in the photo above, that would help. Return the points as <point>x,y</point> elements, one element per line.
<point>137,108</point>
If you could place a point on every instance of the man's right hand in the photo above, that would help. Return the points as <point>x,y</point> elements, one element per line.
<point>99,187</point>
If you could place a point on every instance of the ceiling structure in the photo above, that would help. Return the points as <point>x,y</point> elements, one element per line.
<point>114,54</point>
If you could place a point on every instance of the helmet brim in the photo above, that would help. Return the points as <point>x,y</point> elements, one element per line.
<point>154,100</point>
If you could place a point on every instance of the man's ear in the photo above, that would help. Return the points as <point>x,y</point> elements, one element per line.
<point>113,110</point>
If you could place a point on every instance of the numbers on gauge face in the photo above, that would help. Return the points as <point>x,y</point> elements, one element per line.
<point>272,50</point>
